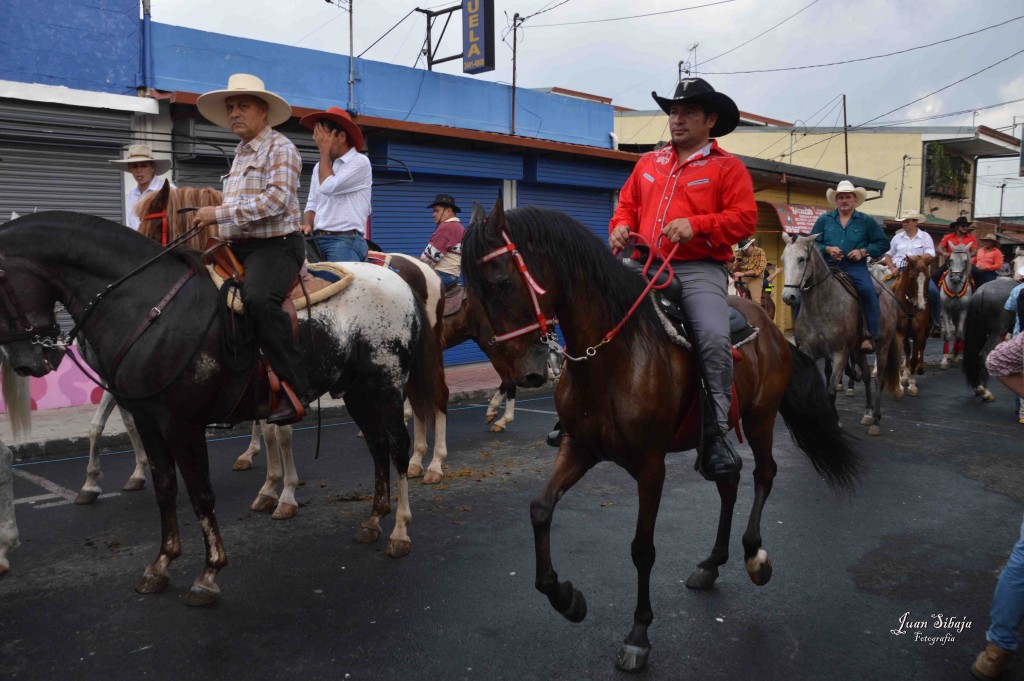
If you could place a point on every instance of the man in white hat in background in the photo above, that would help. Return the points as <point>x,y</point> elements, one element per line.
<point>913,241</point>
<point>261,221</point>
<point>749,267</point>
<point>145,169</point>
<point>847,238</point>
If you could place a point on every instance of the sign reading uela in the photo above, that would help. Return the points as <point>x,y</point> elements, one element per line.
<point>936,628</point>
<point>477,36</point>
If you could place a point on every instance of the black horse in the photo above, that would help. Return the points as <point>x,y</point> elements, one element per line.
<point>153,320</point>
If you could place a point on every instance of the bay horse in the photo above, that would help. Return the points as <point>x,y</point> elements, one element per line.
<point>915,318</point>
<point>829,323</point>
<point>634,399</point>
<point>369,343</point>
<point>955,292</point>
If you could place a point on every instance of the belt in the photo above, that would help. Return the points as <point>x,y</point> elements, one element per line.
<point>325,232</point>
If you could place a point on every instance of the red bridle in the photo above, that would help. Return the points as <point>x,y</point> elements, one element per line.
<point>543,324</point>
<point>163,224</point>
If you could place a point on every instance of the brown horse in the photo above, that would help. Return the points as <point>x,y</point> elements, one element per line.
<point>634,398</point>
<point>915,321</point>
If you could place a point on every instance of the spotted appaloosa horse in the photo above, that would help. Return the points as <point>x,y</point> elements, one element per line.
<point>635,397</point>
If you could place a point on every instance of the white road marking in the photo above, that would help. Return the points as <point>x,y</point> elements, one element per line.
<point>65,502</point>
<point>48,485</point>
<point>32,500</point>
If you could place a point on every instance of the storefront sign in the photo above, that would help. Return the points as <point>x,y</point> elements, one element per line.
<point>477,36</point>
<point>796,219</point>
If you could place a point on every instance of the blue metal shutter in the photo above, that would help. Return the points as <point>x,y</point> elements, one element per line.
<point>592,207</point>
<point>402,223</point>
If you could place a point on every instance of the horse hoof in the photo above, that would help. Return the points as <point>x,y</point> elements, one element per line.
<point>134,485</point>
<point>4,567</point>
<point>850,392</point>
<point>431,478</point>
<point>988,397</point>
<point>398,548</point>
<point>913,392</point>
<point>415,470</point>
<point>488,417</point>
<point>360,435</point>
<point>874,430</point>
<point>943,364</point>
<point>760,569</point>
<point>152,584</point>
<point>241,465</point>
<point>632,658</point>
<point>702,579</point>
<point>285,511</point>
<point>496,428</point>
<point>85,498</point>
<point>201,596</point>
<point>577,610</point>
<point>366,535</point>
<point>263,504</point>
<point>866,420</point>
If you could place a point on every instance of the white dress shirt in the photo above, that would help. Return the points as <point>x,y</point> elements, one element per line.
<point>902,245</point>
<point>342,201</point>
<point>130,218</point>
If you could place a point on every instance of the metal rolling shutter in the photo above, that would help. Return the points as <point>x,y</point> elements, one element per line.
<point>592,207</point>
<point>402,223</point>
<point>56,158</point>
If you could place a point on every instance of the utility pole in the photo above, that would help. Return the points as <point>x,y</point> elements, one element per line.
<point>999,220</point>
<point>846,141</point>
<point>515,41</point>
<point>351,60</point>
<point>899,202</point>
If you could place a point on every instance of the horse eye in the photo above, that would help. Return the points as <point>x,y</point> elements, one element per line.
<point>801,259</point>
<point>503,288</point>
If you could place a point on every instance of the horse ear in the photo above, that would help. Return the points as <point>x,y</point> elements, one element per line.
<point>496,221</point>
<point>478,217</point>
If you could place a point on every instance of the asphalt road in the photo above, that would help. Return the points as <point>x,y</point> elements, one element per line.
<point>925,534</point>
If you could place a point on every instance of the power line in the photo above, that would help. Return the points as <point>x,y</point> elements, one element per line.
<point>852,61</point>
<point>633,16</point>
<point>835,101</point>
<point>542,10</point>
<point>814,2</point>
<point>386,33</point>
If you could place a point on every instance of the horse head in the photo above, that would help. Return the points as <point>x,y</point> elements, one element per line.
<point>28,321</point>
<point>162,219</point>
<point>913,281</point>
<point>802,266</point>
<point>959,266</point>
<point>1017,264</point>
<point>501,280</point>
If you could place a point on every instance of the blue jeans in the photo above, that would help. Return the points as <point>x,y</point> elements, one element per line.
<point>1008,600</point>
<point>933,299</point>
<point>342,248</point>
<point>864,284</point>
<point>447,279</point>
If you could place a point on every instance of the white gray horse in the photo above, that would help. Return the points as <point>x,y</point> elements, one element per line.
<point>955,296</point>
<point>18,400</point>
<point>828,326</point>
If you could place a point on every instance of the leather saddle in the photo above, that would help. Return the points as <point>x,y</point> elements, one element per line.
<point>454,298</point>
<point>669,301</point>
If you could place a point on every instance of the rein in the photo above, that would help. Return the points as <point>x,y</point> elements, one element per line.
<point>28,331</point>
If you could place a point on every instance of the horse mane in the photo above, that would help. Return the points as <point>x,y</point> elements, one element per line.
<point>177,223</point>
<point>584,266</point>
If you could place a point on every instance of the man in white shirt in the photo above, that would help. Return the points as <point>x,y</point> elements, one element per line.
<point>141,165</point>
<point>339,192</point>
<point>912,241</point>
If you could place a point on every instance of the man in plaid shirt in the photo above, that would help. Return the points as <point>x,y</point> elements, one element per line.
<point>260,218</point>
<point>749,267</point>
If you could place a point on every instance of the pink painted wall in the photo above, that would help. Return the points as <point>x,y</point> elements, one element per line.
<point>65,387</point>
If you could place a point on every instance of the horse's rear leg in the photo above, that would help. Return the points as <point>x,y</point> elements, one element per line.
<point>91,490</point>
<point>244,460</point>
<point>379,414</point>
<point>571,464</point>
<point>266,499</point>
<point>706,572</point>
<point>759,567</point>
<point>165,483</point>
<point>637,647</point>
<point>509,389</point>
<point>137,480</point>
<point>280,468</point>
<point>8,524</point>
<point>419,446</point>
<point>494,404</point>
<point>434,471</point>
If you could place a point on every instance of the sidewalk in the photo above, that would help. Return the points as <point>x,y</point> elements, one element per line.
<point>62,432</point>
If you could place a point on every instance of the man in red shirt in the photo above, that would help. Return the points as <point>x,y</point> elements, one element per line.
<point>695,194</point>
<point>961,235</point>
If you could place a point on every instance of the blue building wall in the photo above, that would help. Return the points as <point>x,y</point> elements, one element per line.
<point>84,44</point>
<point>197,61</point>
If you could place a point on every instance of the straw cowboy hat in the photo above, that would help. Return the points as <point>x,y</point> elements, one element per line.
<point>846,187</point>
<point>140,153</point>
<point>211,105</point>
<point>988,237</point>
<point>700,91</point>
<point>745,243</point>
<point>445,200</point>
<point>342,118</point>
<point>910,215</point>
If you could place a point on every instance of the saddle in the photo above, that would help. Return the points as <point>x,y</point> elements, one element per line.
<point>843,278</point>
<point>454,298</point>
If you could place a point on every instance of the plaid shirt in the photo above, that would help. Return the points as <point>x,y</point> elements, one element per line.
<point>261,191</point>
<point>755,262</point>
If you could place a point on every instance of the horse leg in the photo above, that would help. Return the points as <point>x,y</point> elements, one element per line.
<point>91,491</point>
<point>419,447</point>
<point>509,388</point>
<point>917,360</point>
<point>649,481</point>
<point>380,417</point>
<point>759,567</point>
<point>8,523</point>
<point>287,506</point>
<point>706,572</point>
<point>434,473</point>
<point>982,388</point>
<point>494,404</point>
<point>244,460</point>
<point>947,335</point>
<point>137,480</point>
<point>869,387</point>
<point>267,498</point>
<point>165,483</point>
<point>571,464</point>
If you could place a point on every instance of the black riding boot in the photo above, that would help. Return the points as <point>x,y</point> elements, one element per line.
<point>555,436</point>
<point>717,459</point>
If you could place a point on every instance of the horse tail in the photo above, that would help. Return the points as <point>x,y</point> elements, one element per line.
<point>814,424</point>
<point>426,376</point>
<point>17,397</point>
<point>975,335</point>
<point>893,356</point>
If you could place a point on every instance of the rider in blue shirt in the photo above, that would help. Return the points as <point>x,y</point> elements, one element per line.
<point>847,238</point>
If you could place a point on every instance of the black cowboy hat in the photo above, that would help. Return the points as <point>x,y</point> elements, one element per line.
<point>699,90</point>
<point>960,222</point>
<point>444,200</point>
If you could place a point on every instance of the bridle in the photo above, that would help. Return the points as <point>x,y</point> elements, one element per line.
<point>807,270</point>
<point>162,215</point>
<point>46,336</point>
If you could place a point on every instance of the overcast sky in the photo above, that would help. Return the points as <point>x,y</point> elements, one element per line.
<point>564,43</point>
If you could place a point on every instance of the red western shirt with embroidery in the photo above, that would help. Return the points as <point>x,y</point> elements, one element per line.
<point>711,188</point>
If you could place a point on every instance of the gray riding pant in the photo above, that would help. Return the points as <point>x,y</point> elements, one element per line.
<point>707,311</point>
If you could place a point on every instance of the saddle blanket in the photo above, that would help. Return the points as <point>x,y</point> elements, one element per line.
<point>322,280</point>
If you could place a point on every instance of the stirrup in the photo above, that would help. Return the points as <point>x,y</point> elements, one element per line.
<point>717,459</point>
